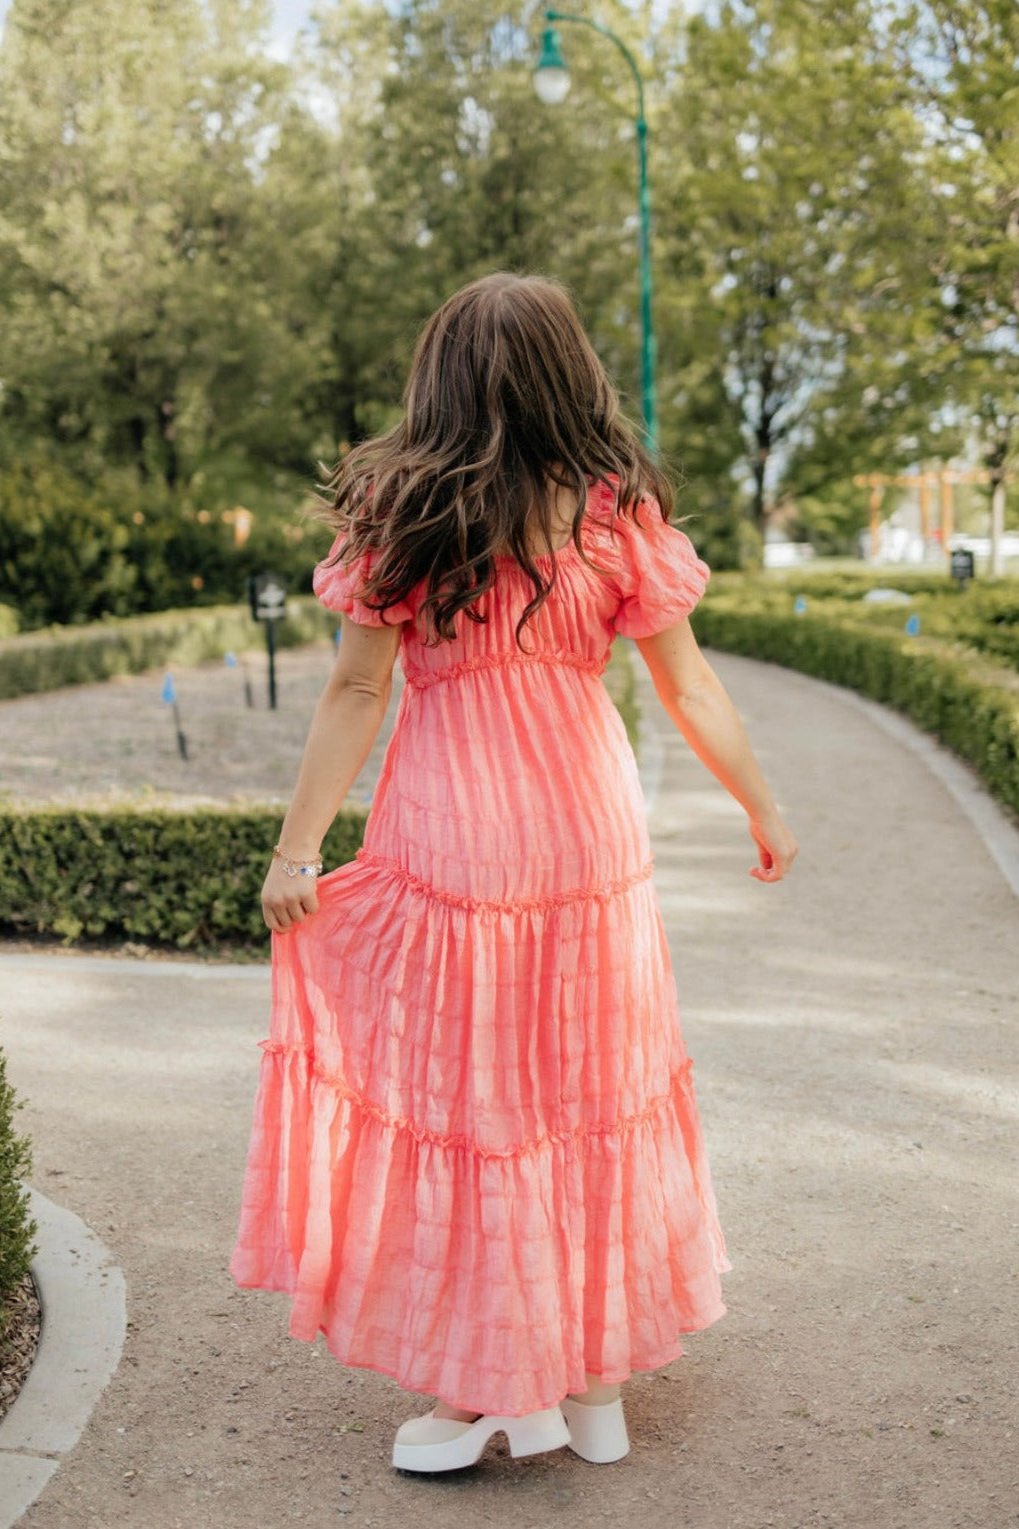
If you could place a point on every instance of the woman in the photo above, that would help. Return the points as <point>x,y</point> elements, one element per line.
<point>476,1163</point>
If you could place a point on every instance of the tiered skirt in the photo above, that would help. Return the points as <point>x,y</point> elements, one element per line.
<point>476,1163</point>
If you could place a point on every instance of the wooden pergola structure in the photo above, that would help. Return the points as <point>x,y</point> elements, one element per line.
<point>944,480</point>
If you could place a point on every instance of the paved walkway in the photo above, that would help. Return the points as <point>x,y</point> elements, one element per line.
<point>857,1061</point>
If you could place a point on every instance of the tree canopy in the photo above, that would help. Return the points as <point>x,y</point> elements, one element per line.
<point>213,264</point>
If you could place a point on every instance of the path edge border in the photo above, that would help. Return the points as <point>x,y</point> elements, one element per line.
<point>82,1296</point>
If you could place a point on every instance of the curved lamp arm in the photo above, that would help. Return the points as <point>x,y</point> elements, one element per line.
<point>596,26</point>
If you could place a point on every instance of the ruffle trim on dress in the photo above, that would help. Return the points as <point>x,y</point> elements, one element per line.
<point>510,905</point>
<point>421,679</point>
<point>455,1142</point>
<point>495,1282</point>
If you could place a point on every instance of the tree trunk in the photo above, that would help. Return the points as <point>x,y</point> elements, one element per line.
<point>168,430</point>
<point>997,561</point>
<point>136,436</point>
<point>764,435</point>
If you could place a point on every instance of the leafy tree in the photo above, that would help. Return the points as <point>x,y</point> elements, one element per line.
<point>138,287</point>
<point>794,242</point>
<point>213,265</point>
<point>961,57</point>
<point>462,171</point>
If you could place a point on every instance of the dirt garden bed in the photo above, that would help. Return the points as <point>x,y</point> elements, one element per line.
<point>22,1317</point>
<point>115,742</point>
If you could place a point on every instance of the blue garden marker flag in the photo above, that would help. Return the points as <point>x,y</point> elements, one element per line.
<point>913,624</point>
<point>170,697</point>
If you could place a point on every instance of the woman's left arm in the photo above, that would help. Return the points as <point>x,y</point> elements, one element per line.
<point>343,729</point>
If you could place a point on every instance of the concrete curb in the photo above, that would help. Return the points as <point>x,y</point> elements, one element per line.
<point>84,1324</point>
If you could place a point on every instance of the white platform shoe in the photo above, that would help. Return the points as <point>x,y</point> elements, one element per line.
<point>597,1429</point>
<point>429,1443</point>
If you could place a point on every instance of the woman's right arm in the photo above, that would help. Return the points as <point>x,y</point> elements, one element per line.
<point>699,705</point>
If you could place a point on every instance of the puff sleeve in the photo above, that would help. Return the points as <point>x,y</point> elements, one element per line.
<point>661,578</point>
<point>338,587</point>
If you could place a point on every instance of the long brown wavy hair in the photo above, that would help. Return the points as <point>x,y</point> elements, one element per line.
<point>505,397</point>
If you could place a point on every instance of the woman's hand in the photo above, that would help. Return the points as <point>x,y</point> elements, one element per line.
<point>776,846</point>
<point>287,900</point>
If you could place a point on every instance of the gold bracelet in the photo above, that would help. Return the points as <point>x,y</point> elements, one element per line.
<point>298,867</point>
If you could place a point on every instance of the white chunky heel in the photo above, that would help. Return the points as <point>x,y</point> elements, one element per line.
<point>597,1429</point>
<point>429,1443</point>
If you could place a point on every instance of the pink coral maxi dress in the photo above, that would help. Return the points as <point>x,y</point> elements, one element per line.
<point>476,1163</point>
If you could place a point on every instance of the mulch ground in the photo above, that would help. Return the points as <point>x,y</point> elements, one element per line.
<point>21,1316</point>
<point>114,743</point>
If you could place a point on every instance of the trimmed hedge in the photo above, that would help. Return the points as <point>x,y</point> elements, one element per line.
<point>967,703</point>
<point>984,616</point>
<point>79,655</point>
<point>187,879</point>
<point>849,583</point>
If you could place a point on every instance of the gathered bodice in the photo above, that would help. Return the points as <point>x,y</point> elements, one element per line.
<point>572,628</point>
<point>641,578</point>
<point>486,724</point>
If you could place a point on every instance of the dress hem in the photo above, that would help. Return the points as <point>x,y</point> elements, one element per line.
<point>406,1383</point>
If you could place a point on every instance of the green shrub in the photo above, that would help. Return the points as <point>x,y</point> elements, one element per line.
<point>8,621</point>
<point>46,660</point>
<point>852,583</point>
<point>73,550</point>
<point>16,1226</point>
<point>984,616</point>
<point>63,549</point>
<point>191,880</point>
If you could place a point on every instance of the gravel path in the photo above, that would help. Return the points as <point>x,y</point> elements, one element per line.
<point>857,1061</point>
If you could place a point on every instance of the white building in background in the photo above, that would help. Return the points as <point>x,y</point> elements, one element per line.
<point>780,552</point>
<point>900,540</point>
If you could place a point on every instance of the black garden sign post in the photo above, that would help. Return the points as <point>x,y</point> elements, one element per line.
<point>961,563</point>
<point>268,595</point>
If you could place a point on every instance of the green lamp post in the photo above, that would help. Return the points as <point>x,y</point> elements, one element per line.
<point>552,84</point>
